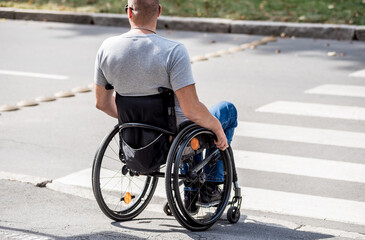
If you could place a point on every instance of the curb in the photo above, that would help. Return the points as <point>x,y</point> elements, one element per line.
<point>36,181</point>
<point>306,30</point>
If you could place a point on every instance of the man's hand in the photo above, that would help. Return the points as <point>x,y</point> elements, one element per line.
<point>221,141</point>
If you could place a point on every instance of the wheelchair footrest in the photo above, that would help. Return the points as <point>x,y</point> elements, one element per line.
<point>208,205</point>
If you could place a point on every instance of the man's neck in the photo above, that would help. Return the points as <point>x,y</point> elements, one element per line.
<point>151,29</point>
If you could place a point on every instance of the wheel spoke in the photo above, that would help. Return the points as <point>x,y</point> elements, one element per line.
<point>113,148</point>
<point>109,180</point>
<point>115,159</point>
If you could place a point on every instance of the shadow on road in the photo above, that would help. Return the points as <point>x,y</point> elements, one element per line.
<point>221,230</point>
<point>224,230</point>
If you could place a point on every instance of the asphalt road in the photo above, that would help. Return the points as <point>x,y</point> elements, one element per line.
<point>300,155</point>
<point>42,214</point>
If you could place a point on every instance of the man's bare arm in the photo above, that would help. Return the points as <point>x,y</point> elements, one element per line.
<point>197,112</point>
<point>105,101</point>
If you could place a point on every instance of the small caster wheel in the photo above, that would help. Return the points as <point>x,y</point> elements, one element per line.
<point>233,215</point>
<point>125,170</point>
<point>166,209</point>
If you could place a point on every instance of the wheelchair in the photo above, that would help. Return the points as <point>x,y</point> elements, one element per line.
<point>122,192</point>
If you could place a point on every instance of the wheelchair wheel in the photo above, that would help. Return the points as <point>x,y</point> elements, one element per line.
<point>120,193</point>
<point>180,158</point>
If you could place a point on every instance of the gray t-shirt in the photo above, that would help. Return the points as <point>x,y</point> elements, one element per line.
<point>138,64</point>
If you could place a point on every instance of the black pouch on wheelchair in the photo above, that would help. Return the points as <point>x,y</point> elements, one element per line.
<point>146,150</point>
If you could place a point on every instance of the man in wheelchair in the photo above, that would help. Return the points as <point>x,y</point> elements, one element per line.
<point>139,63</point>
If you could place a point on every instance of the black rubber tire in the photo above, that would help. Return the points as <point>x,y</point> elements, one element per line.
<point>167,209</point>
<point>233,215</point>
<point>145,192</point>
<point>176,202</point>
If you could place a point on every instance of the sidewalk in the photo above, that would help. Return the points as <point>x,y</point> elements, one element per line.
<point>307,30</point>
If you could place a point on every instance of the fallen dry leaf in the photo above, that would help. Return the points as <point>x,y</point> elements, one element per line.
<point>331,54</point>
<point>277,51</point>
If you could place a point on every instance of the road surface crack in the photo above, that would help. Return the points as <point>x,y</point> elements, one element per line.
<point>299,227</point>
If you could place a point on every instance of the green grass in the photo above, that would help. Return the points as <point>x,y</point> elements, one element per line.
<point>314,11</point>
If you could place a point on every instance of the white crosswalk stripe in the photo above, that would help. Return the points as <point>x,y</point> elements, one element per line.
<point>332,209</point>
<point>338,90</point>
<point>15,235</point>
<point>300,166</point>
<point>314,110</point>
<point>301,134</point>
<point>360,73</point>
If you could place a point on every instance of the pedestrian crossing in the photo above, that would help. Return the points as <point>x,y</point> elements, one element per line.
<point>307,205</point>
<point>286,202</point>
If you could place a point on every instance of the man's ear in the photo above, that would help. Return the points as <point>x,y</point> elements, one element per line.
<point>159,10</point>
<point>130,13</point>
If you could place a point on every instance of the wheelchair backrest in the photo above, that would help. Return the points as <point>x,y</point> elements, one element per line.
<point>145,149</point>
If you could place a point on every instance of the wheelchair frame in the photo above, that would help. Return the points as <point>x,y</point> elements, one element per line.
<point>174,179</point>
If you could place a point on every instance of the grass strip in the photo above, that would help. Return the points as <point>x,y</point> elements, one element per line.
<point>350,12</point>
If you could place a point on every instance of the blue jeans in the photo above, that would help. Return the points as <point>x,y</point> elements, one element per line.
<point>226,113</point>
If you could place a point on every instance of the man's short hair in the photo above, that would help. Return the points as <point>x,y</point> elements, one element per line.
<point>144,10</point>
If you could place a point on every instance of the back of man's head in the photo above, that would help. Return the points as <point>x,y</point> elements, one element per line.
<point>145,11</point>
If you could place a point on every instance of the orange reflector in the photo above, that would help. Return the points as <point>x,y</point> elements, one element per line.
<point>194,143</point>
<point>127,198</point>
